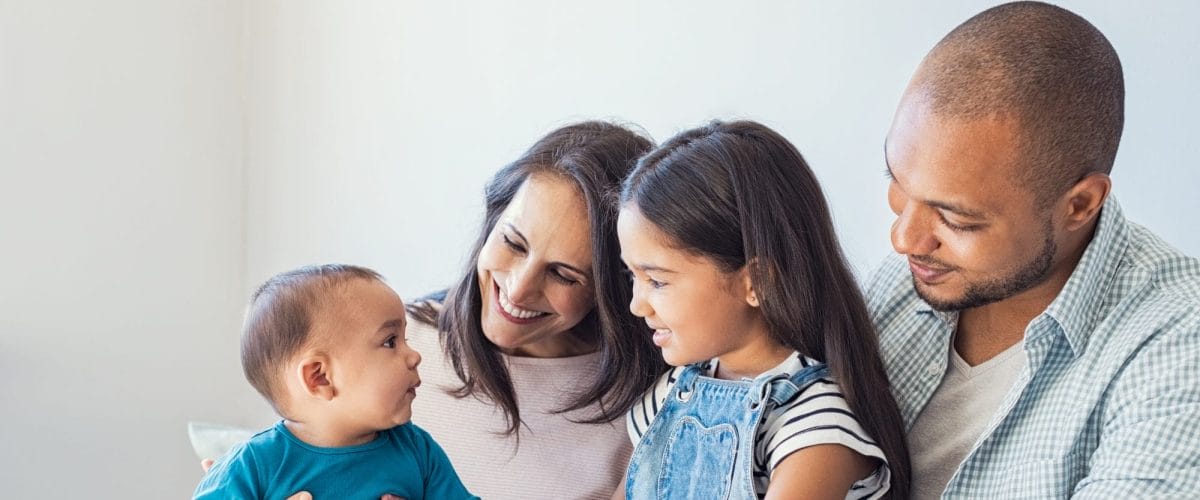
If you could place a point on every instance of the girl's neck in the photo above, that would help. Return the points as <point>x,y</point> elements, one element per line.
<point>751,360</point>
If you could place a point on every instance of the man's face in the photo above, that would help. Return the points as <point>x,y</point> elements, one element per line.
<point>971,234</point>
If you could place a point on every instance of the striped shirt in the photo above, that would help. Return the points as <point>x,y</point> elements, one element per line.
<point>1108,404</point>
<point>816,415</point>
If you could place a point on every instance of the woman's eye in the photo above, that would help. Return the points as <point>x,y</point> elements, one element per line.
<point>562,278</point>
<point>514,246</point>
<point>655,283</point>
<point>390,343</point>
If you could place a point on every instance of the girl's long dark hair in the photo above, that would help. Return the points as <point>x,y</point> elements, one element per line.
<point>595,156</point>
<point>739,193</point>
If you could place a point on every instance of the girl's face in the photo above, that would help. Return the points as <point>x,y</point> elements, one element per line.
<point>697,311</point>
<point>535,271</point>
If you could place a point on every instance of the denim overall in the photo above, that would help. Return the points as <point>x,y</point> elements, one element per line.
<point>701,443</point>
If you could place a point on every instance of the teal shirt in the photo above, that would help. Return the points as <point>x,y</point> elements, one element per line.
<point>1109,403</point>
<point>273,464</point>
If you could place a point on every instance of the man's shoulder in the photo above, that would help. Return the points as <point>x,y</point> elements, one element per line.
<point>1149,321</point>
<point>1152,295</point>
<point>1170,276</point>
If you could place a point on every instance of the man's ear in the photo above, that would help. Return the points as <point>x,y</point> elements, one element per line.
<point>1085,199</point>
<point>316,378</point>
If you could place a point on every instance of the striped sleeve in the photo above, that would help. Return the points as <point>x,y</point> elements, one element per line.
<point>819,415</point>
<point>643,412</point>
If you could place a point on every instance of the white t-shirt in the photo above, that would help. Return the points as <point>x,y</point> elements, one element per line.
<point>817,415</point>
<point>956,415</point>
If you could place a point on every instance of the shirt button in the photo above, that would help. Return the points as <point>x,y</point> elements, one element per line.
<point>933,370</point>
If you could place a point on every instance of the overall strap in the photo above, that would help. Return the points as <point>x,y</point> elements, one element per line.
<point>688,376</point>
<point>782,388</point>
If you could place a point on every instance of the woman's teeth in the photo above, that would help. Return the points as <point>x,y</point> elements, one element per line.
<point>515,311</point>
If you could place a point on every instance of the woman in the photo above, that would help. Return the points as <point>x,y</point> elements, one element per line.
<point>533,353</point>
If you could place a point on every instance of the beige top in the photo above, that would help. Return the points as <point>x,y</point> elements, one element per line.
<point>961,407</point>
<point>556,458</point>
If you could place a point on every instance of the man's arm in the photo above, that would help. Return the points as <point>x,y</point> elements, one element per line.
<point>1150,440</point>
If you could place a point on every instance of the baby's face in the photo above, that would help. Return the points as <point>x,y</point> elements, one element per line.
<point>374,371</point>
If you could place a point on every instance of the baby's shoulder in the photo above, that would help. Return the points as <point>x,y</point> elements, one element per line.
<point>241,472</point>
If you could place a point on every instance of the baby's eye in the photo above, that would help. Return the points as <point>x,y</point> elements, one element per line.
<point>390,343</point>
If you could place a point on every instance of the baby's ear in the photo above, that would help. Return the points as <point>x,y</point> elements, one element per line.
<point>314,371</point>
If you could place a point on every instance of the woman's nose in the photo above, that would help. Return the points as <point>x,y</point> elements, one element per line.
<point>523,285</point>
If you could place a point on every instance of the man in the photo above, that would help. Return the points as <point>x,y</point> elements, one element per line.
<point>1039,344</point>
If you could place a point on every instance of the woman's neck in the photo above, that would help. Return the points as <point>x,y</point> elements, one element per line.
<point>564,345</point>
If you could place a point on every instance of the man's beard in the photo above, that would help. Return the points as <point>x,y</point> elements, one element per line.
<point>1027,276</point>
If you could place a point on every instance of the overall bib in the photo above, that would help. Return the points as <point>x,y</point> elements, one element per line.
<point>701,443</point>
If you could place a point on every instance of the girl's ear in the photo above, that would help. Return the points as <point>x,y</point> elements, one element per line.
<point>748,283</point>
<point>316,377</point>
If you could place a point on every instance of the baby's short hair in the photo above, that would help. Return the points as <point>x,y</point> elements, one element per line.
<point>280,320</point>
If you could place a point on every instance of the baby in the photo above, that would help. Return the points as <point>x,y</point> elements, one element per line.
<point>325,346</point>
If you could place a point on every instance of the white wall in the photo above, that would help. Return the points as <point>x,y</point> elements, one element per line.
<point>121,237</point>
<point>158,159</point>
<point>372,130</point>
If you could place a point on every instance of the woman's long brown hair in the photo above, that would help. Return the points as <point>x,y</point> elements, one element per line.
<point>596,156</point>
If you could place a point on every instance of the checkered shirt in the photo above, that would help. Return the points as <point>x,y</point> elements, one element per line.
<point>1109,403</point>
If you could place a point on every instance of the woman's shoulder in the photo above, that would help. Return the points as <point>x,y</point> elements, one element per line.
<point>427,308</point>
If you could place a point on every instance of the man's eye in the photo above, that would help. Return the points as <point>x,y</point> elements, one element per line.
<point>957,227</point>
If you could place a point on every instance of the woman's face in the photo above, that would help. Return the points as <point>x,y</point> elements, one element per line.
<point>535,271</point>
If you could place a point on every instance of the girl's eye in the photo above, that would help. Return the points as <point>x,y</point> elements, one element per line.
<point>655,284</point>
<point>512,245</point>
<point>390,343</point>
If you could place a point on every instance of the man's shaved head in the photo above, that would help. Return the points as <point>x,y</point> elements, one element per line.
<point>1047,69</point>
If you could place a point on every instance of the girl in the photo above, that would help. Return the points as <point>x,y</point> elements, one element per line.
<point>780,391</point>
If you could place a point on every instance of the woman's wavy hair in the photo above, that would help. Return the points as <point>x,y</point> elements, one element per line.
<point>596,156</point>
<point>739,193</point>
